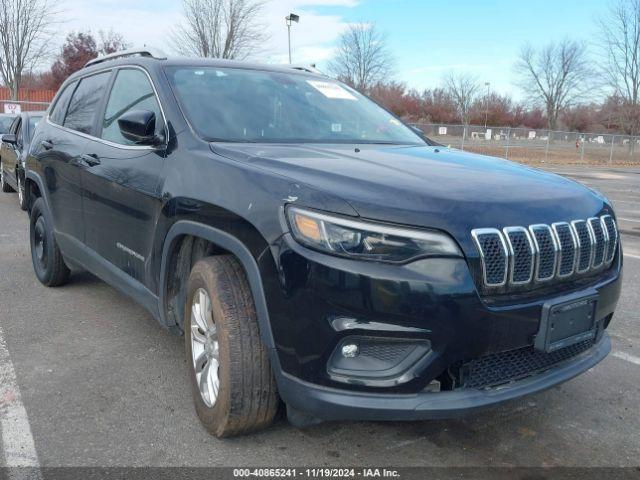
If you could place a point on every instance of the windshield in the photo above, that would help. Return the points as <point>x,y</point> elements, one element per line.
<point>238,105</point>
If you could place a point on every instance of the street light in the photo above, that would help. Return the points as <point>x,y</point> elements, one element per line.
<point>486,111</point>
<point>292,17</point>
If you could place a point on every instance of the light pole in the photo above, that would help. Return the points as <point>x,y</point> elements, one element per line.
<point>486,102</point>
<point>292,17</point>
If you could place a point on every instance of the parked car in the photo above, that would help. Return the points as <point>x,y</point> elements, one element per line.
<point>13,153</point>
<point>312,248</point>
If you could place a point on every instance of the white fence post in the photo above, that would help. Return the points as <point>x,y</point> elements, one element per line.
<point>613,137</point>
<point>506,153</point>
<point>546,150</point>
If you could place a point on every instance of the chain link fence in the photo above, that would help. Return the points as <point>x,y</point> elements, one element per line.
<point>528,145</point>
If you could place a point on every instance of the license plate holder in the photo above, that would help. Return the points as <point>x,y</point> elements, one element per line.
<point>567,323</point>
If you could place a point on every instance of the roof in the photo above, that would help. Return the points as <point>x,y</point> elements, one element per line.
<point>148,57</point>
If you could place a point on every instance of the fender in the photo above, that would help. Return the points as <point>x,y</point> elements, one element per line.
<point>244,256</point>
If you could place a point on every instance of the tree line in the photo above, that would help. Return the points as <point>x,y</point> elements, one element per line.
<point>566,84</point>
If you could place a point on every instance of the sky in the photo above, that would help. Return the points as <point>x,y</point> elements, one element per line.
<point>427,38</point>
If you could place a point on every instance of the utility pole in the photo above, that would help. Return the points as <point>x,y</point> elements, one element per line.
<point>486,103</point>
<point>292,17</point>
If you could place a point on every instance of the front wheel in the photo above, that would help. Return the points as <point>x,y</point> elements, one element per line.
<point>3,181</point>
<point>233,387</point>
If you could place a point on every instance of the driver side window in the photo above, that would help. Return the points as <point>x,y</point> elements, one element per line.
<point>131,91</point>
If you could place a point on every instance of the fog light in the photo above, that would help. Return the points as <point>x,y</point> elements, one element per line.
<point>350,350</point>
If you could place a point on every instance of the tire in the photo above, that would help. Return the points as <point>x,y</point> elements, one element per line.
<point>246,398</point>
<point>22,198</point>
<point>3,183</point>
<point>48,263</point>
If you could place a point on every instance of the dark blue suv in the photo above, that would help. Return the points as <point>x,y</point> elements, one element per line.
<point>312,248</point>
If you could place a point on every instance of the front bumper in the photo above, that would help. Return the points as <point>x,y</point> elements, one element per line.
<point>318,302</point>
<point>333,404</point>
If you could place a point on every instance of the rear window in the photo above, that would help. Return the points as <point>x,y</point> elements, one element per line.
<point>60,107</point>
<point>85,101</point>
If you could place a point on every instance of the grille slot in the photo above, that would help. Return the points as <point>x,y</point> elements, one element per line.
<point>542,253</point>
<point>568,248</point>
<point>597,232</point>
<point>547,249</point>
<point>499,368</point>
<point>493,255</point>
<point>609,225</point>
<point>521,255</point>
<point>585,244</point>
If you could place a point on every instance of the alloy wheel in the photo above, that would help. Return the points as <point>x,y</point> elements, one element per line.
<point>205,347</point>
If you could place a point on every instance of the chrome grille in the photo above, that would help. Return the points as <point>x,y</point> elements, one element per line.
<point>521,255</point>
<point>568,247</point>
<point>585,242</point>
<point>609,225</point>
<point>547,250</point>
<point>541,253</point>
<point>494,255</point>
<point>597,232</point>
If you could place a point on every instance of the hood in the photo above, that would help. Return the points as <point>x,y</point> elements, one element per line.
<point>427,186</point>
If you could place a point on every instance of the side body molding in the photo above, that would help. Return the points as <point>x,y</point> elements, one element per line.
<point>244,256</point>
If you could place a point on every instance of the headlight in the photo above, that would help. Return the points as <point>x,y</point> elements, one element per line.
<point>364,240</point>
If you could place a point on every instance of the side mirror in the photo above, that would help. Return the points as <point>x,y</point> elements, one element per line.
<point>139,126</point>
<point>10,138</point>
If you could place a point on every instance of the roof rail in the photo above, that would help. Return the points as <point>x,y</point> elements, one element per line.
<point>142,52</point>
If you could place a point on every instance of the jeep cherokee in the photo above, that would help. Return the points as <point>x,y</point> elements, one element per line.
<point>313,248</point>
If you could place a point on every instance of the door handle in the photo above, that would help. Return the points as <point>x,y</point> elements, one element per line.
<point>46,144</point>
<point>90,159</point>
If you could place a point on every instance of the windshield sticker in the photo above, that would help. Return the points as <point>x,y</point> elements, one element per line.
<point>331,90</point>
<point>336,127</point>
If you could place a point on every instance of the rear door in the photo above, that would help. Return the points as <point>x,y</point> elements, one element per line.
<point>122,189</point>
<point>58,150</point>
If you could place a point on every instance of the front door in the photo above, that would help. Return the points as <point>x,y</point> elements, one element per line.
<point>122,182</point>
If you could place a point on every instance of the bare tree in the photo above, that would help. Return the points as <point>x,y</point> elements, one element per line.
<point>220,28</point>
<point>463,89</point>
<point>25,27</point>
<point>620,41</point>
<point>111,42</point>
<point>554,76</point>
<point>362,59</point>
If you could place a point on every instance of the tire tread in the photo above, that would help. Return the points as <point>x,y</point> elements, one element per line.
<point>254,399</point>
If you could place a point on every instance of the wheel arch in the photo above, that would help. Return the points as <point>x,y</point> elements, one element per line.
<point>228,243</point>
<point>34,188</point>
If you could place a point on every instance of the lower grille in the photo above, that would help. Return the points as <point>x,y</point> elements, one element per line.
<point>499,368</point>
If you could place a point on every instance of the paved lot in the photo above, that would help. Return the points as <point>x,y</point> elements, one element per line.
<point>103,385</point>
